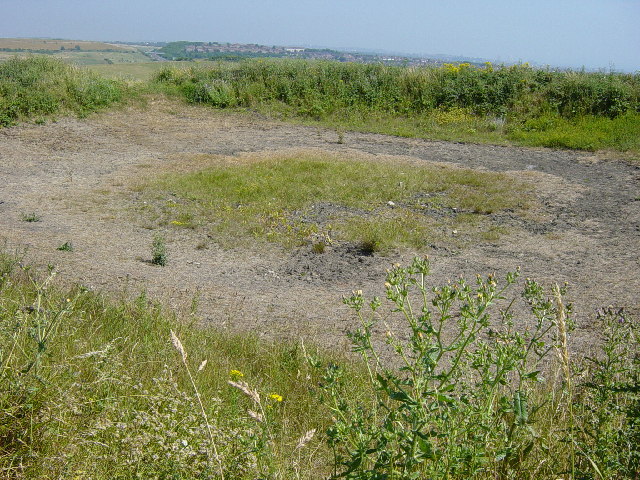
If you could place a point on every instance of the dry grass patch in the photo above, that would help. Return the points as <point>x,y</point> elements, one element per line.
<point>55,44</point>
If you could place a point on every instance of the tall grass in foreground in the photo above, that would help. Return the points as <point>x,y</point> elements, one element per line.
<point>38,87</point>
<point>571,109</point>
<point>468,388</point>
<point>94,388</point>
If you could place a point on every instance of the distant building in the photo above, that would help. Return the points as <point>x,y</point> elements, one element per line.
<point>294,50</point>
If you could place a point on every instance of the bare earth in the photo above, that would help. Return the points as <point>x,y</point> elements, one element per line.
<point>78,176</point>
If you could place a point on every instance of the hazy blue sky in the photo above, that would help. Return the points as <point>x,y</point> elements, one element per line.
<point>591,33</point>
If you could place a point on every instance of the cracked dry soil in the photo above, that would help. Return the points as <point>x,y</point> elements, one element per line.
<point>77,176</point>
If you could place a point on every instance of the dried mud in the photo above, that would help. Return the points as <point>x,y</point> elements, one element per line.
<point>79,177</point>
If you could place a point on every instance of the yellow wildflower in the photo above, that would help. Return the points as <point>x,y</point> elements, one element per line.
<point>276,397</point>
<point>236,374</point>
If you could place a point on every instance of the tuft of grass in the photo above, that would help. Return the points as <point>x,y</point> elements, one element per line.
<point>289,199</point>
<point>31,217</point>
<point>66,247</point>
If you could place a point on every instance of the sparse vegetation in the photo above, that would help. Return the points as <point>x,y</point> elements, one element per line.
<point>290,200</point>
<point>158,251</point>
<point>66,247</point>
<point>31,217</point>
<point>105,389</point>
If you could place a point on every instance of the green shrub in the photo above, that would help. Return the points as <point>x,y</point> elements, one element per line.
<point>42,86</point>
<point>462,403</point>
<point>318,88</point>
<point>460,388</point>
<point>609,437</point>
<point>158,251</point>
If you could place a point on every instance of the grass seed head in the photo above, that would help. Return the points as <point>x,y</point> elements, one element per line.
<point>178,346</point>
<point>306,438</point>
<point>244,388</point>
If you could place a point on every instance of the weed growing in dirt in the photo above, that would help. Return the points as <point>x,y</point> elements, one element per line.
<point>292,200</point>
<point>318,247</point>
<point>158,251</point>
<point>31,217</point>
<point>66,247</point>
<point>460,391</point>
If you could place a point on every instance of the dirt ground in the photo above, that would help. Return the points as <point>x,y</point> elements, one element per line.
<point>77,176</point>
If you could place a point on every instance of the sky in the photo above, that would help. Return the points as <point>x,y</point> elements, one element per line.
<point>595,34</point>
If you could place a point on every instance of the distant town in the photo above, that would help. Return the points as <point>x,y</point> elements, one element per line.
<point>176,51</point>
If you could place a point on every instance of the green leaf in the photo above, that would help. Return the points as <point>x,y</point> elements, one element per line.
<point>532,375</point>
<point>426,449</point>
<point>520,407</point>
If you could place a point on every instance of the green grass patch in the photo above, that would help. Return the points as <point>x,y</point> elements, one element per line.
<point>292,199</point>
<point>440,124</point>
<point>583,133</point>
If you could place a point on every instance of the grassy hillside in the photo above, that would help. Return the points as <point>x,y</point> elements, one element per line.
<point>74,52</point>
<point>37,44</point>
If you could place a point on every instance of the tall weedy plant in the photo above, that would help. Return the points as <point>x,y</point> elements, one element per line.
<point>453,397</point>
